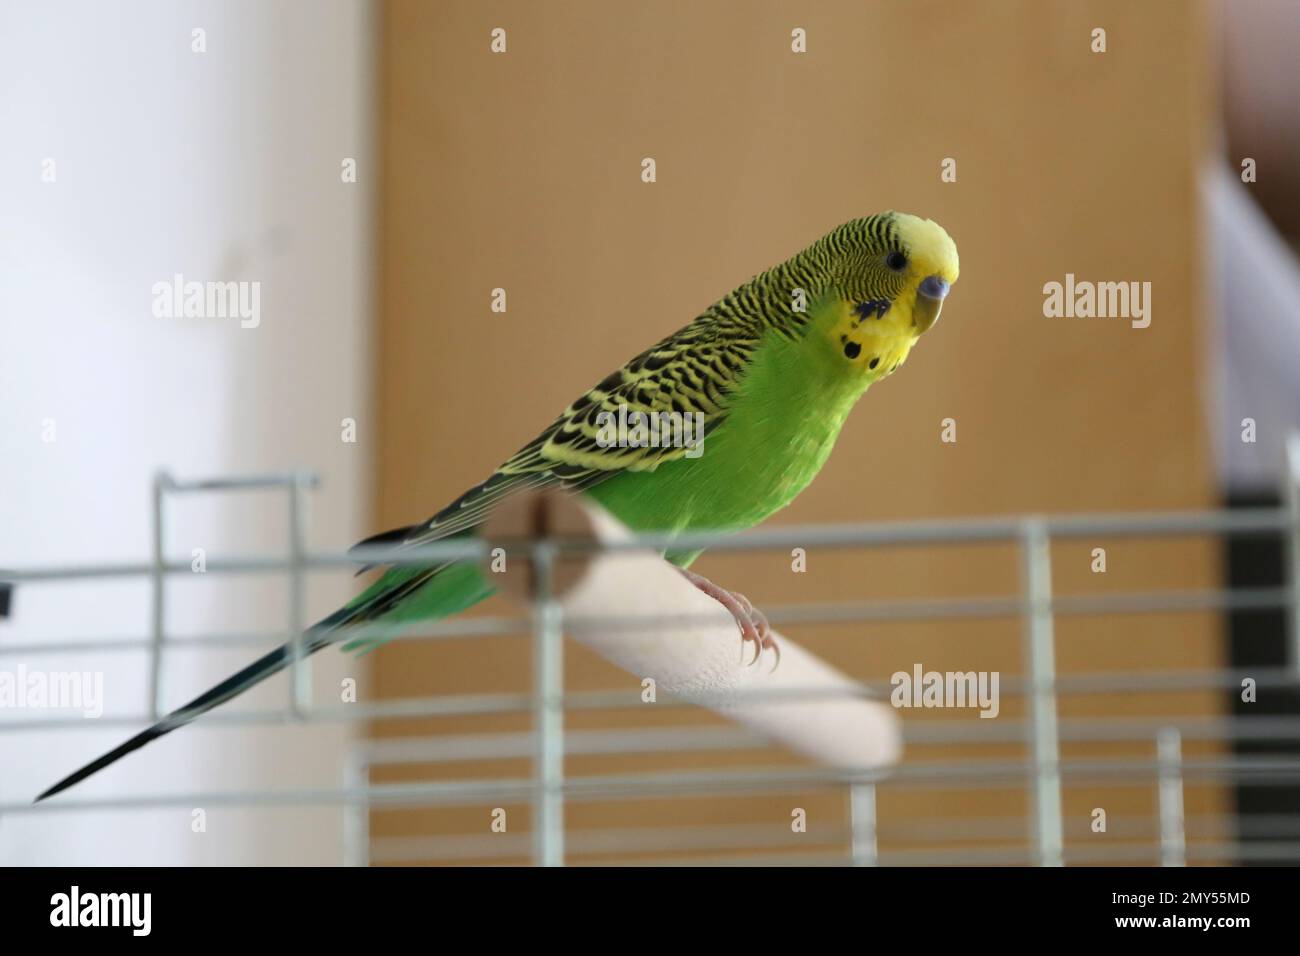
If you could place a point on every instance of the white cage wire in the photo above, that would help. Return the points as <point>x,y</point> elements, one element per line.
<point>549,790</point>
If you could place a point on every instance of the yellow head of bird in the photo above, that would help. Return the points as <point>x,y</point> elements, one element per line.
<point>893,273</point>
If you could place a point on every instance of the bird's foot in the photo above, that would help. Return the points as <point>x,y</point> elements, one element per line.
<point>751,621</point>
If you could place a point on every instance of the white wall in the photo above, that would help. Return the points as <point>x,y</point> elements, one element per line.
<point>218,165</point>
<point>1254,352</point>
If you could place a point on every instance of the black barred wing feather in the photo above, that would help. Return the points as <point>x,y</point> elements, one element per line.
<point>685,382</point>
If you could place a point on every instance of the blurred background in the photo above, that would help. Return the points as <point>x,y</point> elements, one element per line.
<point>379,170</point>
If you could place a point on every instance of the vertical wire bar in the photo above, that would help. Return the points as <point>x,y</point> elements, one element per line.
<point>862,824</point>
<point>356,816</point>
<point>158,609</point>
<point>548,714</point>
<point>1293,545</point>
<point>1040,654</point>
<point>299,667</point>
<point>1169,759</point>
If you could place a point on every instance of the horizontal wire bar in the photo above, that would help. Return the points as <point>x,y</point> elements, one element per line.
<point>1244,521</point>
<point>1107,729</point>
<point>1227,852</point>
<point>446,705</point>
<point>246,483</point>
<point>441,706</point>
<point>956,531</point>
<point>611,840</point>
<point>451,748</point>
<point>449,628</point>
<point>811,612</point>
<point>955,774</point>
<point>602,840</point>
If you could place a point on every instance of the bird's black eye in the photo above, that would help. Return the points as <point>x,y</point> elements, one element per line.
<point>896,261</point>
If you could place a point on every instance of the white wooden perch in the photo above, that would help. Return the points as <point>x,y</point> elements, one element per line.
<point>639,612</point>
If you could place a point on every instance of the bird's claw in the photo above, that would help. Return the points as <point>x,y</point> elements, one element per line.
<point>751,621</point>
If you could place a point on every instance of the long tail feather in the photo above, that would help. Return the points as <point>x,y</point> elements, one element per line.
<point>319,636</point>
<point>460,585</point>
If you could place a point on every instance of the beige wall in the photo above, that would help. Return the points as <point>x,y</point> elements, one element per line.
<point>522,171</point>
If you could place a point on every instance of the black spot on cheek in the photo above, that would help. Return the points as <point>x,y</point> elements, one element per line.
<point>852,349</point>
<point>874,362</point>
<point>876,307</point>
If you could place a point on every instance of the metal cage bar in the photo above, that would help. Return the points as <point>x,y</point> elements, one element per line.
<point>1178,839</point>
<point>1040,656</point>
<point>548,713</point>
<point>1173,835</point>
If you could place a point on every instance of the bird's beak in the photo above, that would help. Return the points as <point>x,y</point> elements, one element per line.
<point>929,300</point>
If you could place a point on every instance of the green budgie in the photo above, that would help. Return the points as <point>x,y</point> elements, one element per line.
<point>770,371</point>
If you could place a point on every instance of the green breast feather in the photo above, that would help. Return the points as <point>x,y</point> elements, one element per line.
<point>781,423</point>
